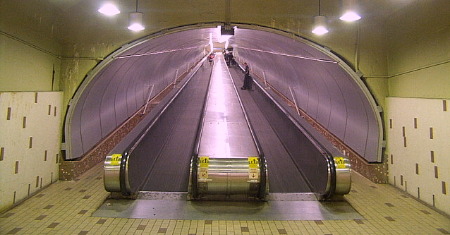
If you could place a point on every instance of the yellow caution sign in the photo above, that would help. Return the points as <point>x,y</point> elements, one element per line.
<point>203,171</point>
<point>339,162</point>
<point>115,159</point>
<point>253,162</point>
<point>204,162</point>
<point>253,168</point>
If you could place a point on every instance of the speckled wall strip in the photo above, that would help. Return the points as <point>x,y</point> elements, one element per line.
<point>2,153</point>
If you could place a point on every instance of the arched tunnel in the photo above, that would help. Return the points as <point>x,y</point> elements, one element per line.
<point>317,88</point>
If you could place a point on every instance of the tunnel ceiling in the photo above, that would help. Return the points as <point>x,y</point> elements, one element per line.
<point>77,21</point>
<point>322,84</point>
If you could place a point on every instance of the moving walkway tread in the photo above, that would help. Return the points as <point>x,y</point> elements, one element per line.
<point>284,176</point>
<point>167,147</point>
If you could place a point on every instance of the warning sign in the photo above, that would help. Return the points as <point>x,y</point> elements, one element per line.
<point>253,174</point>
<point>253,162</point>
<point>203,171</point>
<point>339,162</point>
<point>253,168</point>
<point>204,162</point>
<point>115,159</point>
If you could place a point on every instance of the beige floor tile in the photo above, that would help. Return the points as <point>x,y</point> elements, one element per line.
<point>66,208</point>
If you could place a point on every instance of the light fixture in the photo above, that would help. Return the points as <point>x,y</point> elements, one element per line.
<point>349,8</point>
<point>136,20</point>
<point>320,24</point>
<point>109,9</point>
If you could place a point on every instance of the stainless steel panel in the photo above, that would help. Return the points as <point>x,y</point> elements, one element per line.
<point>343,175</point>
<point>226,142</point>
<point>111,173</point>
<point>228,176</point>
<point>225,133</point>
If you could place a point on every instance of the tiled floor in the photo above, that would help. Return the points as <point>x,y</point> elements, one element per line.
<point>66,208</point>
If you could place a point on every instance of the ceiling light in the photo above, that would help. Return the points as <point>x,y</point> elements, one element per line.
<point>109,9</point>
<point>136,22</point>
<point>350,16</point>
<point>320,25</point>
<point>349,9</point>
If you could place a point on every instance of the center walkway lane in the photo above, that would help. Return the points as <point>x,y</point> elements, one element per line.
<point>225,131</point>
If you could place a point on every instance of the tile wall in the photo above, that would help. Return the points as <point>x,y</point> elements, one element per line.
<point>30,137</point>
<point>418,133</point>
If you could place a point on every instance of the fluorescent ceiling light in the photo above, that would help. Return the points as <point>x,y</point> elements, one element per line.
<point>320,25</point>
<point>109,9</point>
<point>350,16</point>
<point>136,22</point>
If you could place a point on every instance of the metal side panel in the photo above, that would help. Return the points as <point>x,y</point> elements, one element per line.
<point>225,131</point>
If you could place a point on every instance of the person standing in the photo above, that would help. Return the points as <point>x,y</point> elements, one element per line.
<point>247,78</point>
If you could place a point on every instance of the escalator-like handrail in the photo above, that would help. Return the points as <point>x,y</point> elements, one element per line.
<point>263,164</point>
<point>331,184</point>
<point>125,190</point>
<point>196,148</point>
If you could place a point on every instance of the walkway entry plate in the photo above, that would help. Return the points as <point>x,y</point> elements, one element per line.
<point>177,207</point>
<point>220,210</point>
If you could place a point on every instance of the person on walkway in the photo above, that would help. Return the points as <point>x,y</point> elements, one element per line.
<point>247,78</point>
<point>211,59</point>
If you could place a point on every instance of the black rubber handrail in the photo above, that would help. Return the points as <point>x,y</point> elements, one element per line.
<point>195,150</point>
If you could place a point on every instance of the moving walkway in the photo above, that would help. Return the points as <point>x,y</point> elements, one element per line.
<point>208,141</point>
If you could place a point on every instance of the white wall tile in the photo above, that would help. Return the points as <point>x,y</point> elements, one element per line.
<point>46,132</point>
<point>429,114</point>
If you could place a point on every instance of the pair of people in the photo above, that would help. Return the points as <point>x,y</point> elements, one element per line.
<point>247,78</point>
